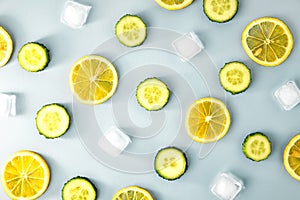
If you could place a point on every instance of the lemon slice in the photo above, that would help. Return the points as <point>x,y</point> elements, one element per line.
<point>267,41</point>
<point>132,193</point>
<point>207,120</point>
<point>6,46</point>
<point>25,175</point>
<point>291,157</point>
<point>93,79</point>
<point>174,4</point>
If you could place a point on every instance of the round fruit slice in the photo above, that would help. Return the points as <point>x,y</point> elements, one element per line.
<point>34,57</point>
<point>25,175</point>
<point>220,11</point>
<point>170,163</point>
<point>132,193</point>
<point>93,79</point>
<point>6,46</point>
<point>79,188</point>
<point>52,120</point>
<point>257,147</point>
<point>174,4</point>
<point>291,157</point>
<point>207,120</point>
<point>267,41</point>
<point>131,30</point>
<point>235,77</point>
<point>152,94</point>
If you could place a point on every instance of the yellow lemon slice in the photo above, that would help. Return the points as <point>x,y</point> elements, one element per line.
<point>6,46</point>
<point>25,175</point>
<point>291,157</point>
<point>267,41</point>
<point>93,79</point>
<point>132,193</point>
<point>207,120</point>
<point>174,4</point>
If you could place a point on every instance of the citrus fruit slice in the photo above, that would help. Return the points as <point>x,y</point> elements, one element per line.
<point>6,46</point>
<point>25,175</point>
<point>93,79</point>
<point>207,120</point>
<point>267,41</point>
<point>291,157</point>
<point>132,193</point>
<point>174,4</point>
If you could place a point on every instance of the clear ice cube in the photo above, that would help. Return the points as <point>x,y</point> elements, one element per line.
<point>188,45</point>
<point>288,95</point>
<point>226,186</point>
<point>75,14</point>
<point>7,105</point>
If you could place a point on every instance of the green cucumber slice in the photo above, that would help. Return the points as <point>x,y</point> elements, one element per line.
<point>131,30</point>
<point>79,188</point>
<point>33,57</point>
<point>170,163</point>
<point>52,120</point>
<point>235,77</point>
<point>257,146</point>
<point>152,94</point>
<point>220,10</point>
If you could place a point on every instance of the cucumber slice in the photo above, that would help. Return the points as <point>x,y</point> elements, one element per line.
<point>257,146</point>
<point>131,30</point>
<point>79,188</point>
<point>152,94</point>
<point>170,163</point>
<point>52,120</point>
<point>235,77</point>
<point>220,10</point>
<point>33,57</point>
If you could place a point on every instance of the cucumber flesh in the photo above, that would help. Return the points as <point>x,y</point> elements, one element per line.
<point>52,121</point>
<point>220,10</point>
<point>79,188</point>
<point>131,30</point>
<point>235,77</point>
<point>170,163</point>
<point>257,147</point>
<point>152,94</point>
<point>33,57</point>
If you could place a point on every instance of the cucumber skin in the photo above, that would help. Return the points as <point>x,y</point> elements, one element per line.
<point>234,93</point>
<point>130,15</point>
<point>83,178</point>
<point>56,104</point>
<point>186,163</point>
<point>245,141</point>
<point>141,103</point>
<point>47,51</point>
<point>220,22</point>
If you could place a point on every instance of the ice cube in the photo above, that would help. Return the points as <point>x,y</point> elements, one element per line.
<point>288,95</point>
<point>188,45</point>
<point>7,105</point>
<point>75,14</point>
<point>114,141</point>
<point>226,186</point>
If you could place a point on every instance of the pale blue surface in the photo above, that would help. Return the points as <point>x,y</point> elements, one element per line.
<point>254,110</point>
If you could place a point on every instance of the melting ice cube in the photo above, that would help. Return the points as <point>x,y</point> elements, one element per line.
<point>114,141</point>
<point>7,105</point>
<point>74,14</point>
<point>288,95</point>
<point>188,45</point>
<point>226,186</point>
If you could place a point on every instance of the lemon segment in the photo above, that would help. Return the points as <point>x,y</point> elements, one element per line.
<point>291,157</point>
<point>6,47</point>
<point>132,193</point>
<point>174,4</point>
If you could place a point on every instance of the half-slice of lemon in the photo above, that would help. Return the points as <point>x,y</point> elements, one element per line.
<point>291,157</point>
<point>93,79</point>
<point>25,175</point>
<point>132,193</point>
<point>267,41</point>
<point>6,46</point>
<point>207,120</point>
<point>174,4</point>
